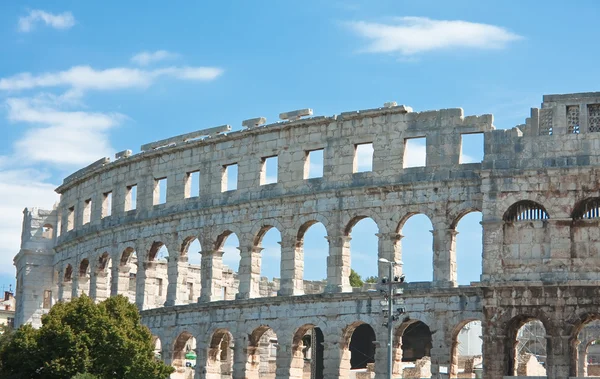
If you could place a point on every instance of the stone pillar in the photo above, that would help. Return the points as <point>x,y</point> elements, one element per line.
<point>381,346</point>
<point>249,272</point>
<point>83,283</point>
<point>338,264</point>
<point>440,353</point>
<point>390,249</point>
<point>558,360</point>
<point>74,286</point>
<point>177,272</point>
<point>336,359</point>
<point>145,291</point>
<point>240,361</point>
<point>166,353</point>
<point>61,289</point>
<point>120,280</point>
<point>581,359</point>
<point>444,256</point>
<point>66,291</point>
<point>99,286</point>
<point>211,275</point>
<point>201,360</point>
<point>493,236</point>
<point>93,284</point>
<point>290,362</point>
<point>292,266</point>
<point>495,356</point>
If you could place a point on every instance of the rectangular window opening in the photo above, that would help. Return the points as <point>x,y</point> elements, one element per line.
<point>107,204</point>
<point>159,283</point>
<point>268,172</point>
<point>160,191</point>
<point>363,157</point>
<point>415,152</point>
<point>190,288</point>
<point>471,148</point>
<point>71,219</point>
<point>87,211</point>
<point>192,184</point>
<point>131,198</point>
<point>313,165</point>
<point>230,177</point>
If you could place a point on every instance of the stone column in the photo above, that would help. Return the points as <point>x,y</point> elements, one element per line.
<point>99,286</point>
<point>558,360</point>
<point>93,284</point>
<point>493,236</point>
<point>120,280</point>
<point>201,360</point>
<point>211,275</point>
<point>336,359</point>
<point>166,353</point>
<point>381,346</point>
<point>390,249</point>
<point>440,353</point>
<point>83,283</point>
<point>177,271</point>
<point>338,264</point>
<point>290,362</point>
<point>249,272</point>
<point>581,359</point>
<point>145,291</point>
<point>66,291</point>
<point>240,361</point>
<point>74,286</point>
<point>292,266</point>
<point>495,356</point>
<point>444,256</point>
<point>61,289</point>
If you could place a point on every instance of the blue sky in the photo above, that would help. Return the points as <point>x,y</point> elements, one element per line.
<point>115,75</point>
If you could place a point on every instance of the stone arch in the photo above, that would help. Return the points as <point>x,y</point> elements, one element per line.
<point>515,364</point>
<point>219,361</point>
<point>454,353</point>
<point>48,231</point>
<point>413,343</point>
<point>307,351</point>
<point>183,344</point>
<point>157,343</point>
<point>261,227</point>
<point>260,360</point>
<point>300,256</point>
<point>586,209</point>
<point>457,214</point>
<point>102,271</point>
<point>126,256</point>
<point>358,347</point>
<point>84,268</point>
<point>68,273</point>
<point>415,248</point>
<point>350,221</point>
<point>185,245</point>
<point>305,222</point>
<point>227,231</point>
<point>413,211</point>
<point>525,210</point>
<point>155,247</point>
<point>466,253</point>
<point>365,264</point>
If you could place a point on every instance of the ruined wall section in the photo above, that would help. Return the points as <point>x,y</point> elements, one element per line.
<point>36,284</point>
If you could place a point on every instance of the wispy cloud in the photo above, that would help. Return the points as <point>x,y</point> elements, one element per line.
<point>63,20</point>
<point>148,57</point>
<point>414,35</point>
<point>60,137</point>
<point>87,78</point>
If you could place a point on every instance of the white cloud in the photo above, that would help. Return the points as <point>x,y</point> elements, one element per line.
<point>63,20</point>
<point>414,35</point>
<point>60,137</point>
<point>87,78</point>
<point>19,188</point>
<point>147,57</point>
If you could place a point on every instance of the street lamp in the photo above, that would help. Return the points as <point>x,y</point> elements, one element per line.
<point>391,281</point>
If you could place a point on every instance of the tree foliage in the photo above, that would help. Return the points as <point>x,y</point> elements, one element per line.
<point>105,340</point>
<point>371,279</point>
<point>355,279</point>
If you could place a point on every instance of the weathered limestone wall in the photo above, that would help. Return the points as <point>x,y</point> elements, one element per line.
<point>537,188</point>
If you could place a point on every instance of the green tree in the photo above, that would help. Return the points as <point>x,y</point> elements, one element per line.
<point>355,279</point>
<point>105,340</point>
<point>371,279</point>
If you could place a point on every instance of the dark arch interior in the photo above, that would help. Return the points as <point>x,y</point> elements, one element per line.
<point>362,349</point>
<point>416,342</point>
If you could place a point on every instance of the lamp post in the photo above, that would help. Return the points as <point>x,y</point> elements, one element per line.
<point>391,317</point>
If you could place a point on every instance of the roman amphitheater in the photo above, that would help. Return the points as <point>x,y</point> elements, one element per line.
<point>537,189</point>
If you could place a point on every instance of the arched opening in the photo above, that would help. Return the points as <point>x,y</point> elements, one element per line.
<point>362,351</point>
<point>364,247</point>
<point>587,209</point>
<point>67,284</point>
<point>269,240</point>
<point>184,355</point>
<point>124,283</point>
<point>103,277</point>
<point>157,348</point>
<point>467,351</point>
<point>220,355</point>
<point>230,244</point>
<point>83,281</point>
<point>68,273</point>
<point>417,248</point>
<point>528,347</point>
<point>413,350</point>
<point>47,231</point>
<point>525,210</point>
<point>588,350</point>
<point>262,354</point>
<point>313,249</point>
<point>157,274</point>
<point>469,248</point>
<point>307,353</point>
<point>189,267</point>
